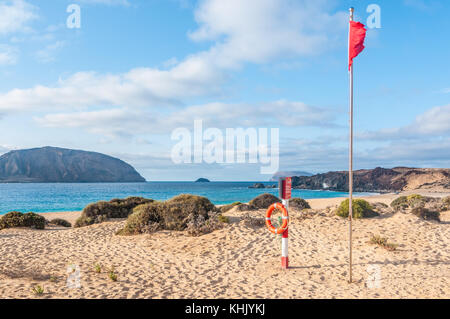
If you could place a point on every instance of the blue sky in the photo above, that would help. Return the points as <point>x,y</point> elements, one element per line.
<point>138,69</point>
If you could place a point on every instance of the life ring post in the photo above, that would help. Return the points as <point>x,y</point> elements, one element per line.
<point>285,195</point>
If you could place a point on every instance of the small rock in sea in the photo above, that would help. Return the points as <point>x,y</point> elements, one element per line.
<point>257,185</point>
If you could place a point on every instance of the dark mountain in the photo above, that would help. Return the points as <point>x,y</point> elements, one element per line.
<point>378,180</point>
<point>59,165</point>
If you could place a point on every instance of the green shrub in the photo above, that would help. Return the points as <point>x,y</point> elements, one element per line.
<point>180,209</point>
<point>416,200</point>
<point>179,213</point>
<point>112,274</point>
<point>145,218</point>
<point>98,268</point>
<point>18,219</point>
<point>116,208</point>
<point>299,203</point>
<point>400,202</point>
<point>37,290</point>
<point>33,220</point>
<point>11,220</point>
<point>263,201</point>
<point>60,222</point>
<point>228,207</point>
<point>426,214</point>
<point>361,209</point>
<point>83,221</point>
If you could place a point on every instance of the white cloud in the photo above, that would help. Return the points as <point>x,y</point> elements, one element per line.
<point>260,30</point>
<point>138,87</point>
<point>16,16</point>
<point>127,122</point>
<point>251,31</point>
<point>434,122</point>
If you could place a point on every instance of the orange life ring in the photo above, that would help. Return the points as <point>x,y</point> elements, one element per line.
<point>285,218</point>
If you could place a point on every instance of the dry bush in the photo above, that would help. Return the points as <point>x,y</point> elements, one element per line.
<point>60,222</point>
<point>116,208</point>
<point>382,242</point>
<point>18,219</point>
<point>183,212</point>
<point>263,201</point>
<point>298,203</point>
<point>426,214</point>
<point>145,219</point>
<point>404,203</point>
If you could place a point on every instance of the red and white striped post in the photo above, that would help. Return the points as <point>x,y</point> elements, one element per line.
<point>285,194</point>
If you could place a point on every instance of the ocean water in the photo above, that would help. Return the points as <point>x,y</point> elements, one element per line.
<point>60,197</point>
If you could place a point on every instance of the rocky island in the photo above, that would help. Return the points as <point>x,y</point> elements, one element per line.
<point>60,165</point>
<point>202,180</point>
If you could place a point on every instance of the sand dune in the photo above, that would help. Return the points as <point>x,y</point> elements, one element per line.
<point>238,261</point>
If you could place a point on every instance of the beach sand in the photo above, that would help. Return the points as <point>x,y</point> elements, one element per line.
<point>238,261</point>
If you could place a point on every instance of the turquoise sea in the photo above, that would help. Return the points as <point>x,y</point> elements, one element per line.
<point>73,197</point>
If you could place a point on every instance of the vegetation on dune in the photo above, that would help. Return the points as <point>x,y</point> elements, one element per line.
<point>112,274</point>
<point>382,242</point>
<point>228,207</point>
<point>97,268</point>
<point>299,203</point>
<point>446,202</point>
<point>263,201</point>
<point>426,214</point>
<point>184,208</point>
<point>361,209</point>
<point>400,203</point>
<point>404,203</point>
<point>37,290</point>
<point>18,219</point>
<point>195,214</point>
<point>416,200</point>
<point>223,219</point>
<point>116,208</point>
<point>60,222</point>
<point>145,218</point>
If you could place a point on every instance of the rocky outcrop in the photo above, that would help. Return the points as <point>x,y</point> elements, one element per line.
<point>277,175</point>
<point>59,165</point>
<point>378,180</point>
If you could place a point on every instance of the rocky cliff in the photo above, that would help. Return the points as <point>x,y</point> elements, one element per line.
<point>378,180</point>
<point>59,165</point>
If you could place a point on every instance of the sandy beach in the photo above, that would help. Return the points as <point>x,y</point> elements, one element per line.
<point>238,261</point>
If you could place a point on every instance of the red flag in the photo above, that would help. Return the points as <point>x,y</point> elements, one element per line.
<point>356,41</point>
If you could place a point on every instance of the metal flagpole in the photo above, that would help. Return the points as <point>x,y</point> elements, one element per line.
<point>350,164</point>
